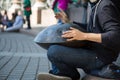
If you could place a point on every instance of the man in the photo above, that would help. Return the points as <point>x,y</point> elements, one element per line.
<point>27,12</point>
<point>103,36</point>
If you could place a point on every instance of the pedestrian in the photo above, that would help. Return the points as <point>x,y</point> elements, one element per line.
<point>27,12</point>
<point>61,6</point>
<point>103,36</point>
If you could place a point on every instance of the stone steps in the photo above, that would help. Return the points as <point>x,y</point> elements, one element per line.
<point>89,77</point>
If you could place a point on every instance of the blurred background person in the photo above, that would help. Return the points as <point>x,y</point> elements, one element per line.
<point>61,6</point>
<point>27,12</point>
<point>18,24</point>
<point>4,19</point>
<point>0,18</point>
<point>12,19</point>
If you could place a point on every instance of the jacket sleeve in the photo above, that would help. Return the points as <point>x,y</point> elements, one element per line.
<point>110,22</point>
<point>54,3</point>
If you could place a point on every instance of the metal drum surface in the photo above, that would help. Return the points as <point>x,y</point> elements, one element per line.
<point>52,35</point>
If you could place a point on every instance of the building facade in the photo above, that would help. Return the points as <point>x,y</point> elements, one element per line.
<point>6,4</point>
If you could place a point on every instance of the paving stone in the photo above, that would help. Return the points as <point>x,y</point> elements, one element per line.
<point>17,72</point>
<point>21,66</point>
<point>26,47</point>
<point>2,43</point>
<point>44,61</point>
<point>3,75</point>
<point>29,76</point>
<point>11,64</point>
<point>20,47</point>
<point>2,78</point>
<point>1,57</point>
<point>34,48</point>
<point>4,61</point>
<point>14,45</point>
<point>31,69</point>
<point>43,69</point>
<point>7,46</point>
<point>14,77</point>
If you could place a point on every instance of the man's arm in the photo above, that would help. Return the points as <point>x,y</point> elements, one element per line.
<point>109,18</point>
<point>93,37</point>
<point>75,34</point>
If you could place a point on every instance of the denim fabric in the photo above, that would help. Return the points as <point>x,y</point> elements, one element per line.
<point>54,69</point>
<point>67,59</point>
<point>9,24</point>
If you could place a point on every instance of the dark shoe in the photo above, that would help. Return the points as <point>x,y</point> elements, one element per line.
<point>47,76</point>
<point>51,72</point>
<point>28,28</point>
<point>60,74</point>
<point>111,71</point>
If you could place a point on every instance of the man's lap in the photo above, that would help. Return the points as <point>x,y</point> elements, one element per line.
<point>77,57</point>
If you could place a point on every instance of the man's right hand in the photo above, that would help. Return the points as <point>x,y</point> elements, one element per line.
<point>62,15</point>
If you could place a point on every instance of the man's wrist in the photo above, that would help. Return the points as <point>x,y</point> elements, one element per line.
<point>86,36</point>
<point>92,37</point>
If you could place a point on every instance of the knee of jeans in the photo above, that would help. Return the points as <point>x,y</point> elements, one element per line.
<point>53,52</point>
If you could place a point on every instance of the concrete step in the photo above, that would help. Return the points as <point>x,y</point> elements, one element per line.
<point>89,77</point>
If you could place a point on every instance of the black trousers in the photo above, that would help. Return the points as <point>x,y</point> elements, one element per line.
<point>28,22</point>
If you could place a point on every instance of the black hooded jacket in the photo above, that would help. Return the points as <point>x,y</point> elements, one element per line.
<point>106,22</point>
<point>117,3</point>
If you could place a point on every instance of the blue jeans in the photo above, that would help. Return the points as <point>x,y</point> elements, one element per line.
<point>67,59</point>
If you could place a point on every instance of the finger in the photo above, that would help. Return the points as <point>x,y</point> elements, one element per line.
<point>67,31</point>
<point>70,39</point>
<point>67,36</point>
<point>71,28</point>
<point>62,12</point>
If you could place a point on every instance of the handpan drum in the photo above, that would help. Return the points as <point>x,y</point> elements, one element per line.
<point>52,36</point>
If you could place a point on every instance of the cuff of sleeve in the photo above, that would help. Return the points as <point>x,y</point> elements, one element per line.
<point>105,39</point>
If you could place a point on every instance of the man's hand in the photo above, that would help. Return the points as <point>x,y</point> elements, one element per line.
<point>62,15</point>
<point>74,34</point>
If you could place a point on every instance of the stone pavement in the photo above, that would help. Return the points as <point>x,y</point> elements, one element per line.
<point>20,57</point>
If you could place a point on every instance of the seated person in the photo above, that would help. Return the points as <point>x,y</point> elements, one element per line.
<point>4,18</point>
<point>0,18</point>
<point>11,20</point>
<point>17,24</point>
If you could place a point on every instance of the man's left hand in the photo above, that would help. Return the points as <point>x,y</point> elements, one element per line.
<point>74,34</point>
